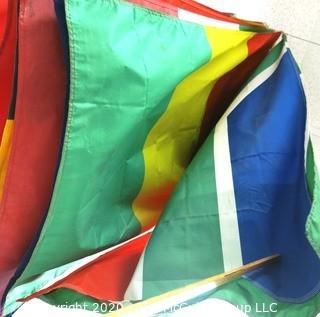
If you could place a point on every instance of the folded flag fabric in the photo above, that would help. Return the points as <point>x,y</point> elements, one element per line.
<point>254,200</point>
<point>136,179</point>
<point>38,125</point>
<point>179,117</point>
<point>262,180</point>
<point>283,73</point>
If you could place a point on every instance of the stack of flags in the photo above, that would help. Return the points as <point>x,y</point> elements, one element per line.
<point>147,145</point>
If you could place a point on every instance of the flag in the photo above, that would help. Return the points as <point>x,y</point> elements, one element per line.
<point>243,197</point>
<point>127,145</point>
<point>189,120</point>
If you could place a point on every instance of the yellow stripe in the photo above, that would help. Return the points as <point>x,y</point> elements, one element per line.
<point>5,149</point>
<point>171,142</point>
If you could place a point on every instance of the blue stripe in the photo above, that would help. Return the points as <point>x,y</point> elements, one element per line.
<point>266,138</point>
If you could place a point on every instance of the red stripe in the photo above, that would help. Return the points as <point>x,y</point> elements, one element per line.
<point>228,86</point>
<point>7,58</point>
<point>107,277</point>
<point>37,133</point>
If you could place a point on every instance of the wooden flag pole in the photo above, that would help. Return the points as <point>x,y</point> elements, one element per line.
<point>169,299</point>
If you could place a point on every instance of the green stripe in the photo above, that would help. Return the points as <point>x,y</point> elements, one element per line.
<point>186,245</point>
<point>313,181</point>
<point>310,169</point>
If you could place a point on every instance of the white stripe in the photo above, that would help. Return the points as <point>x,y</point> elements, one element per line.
<point>229,227</point>
<point>135,289</point>
<point>230,237</point>
<point>199,19</point>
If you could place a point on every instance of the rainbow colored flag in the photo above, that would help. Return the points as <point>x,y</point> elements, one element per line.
<point>176,149</point>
